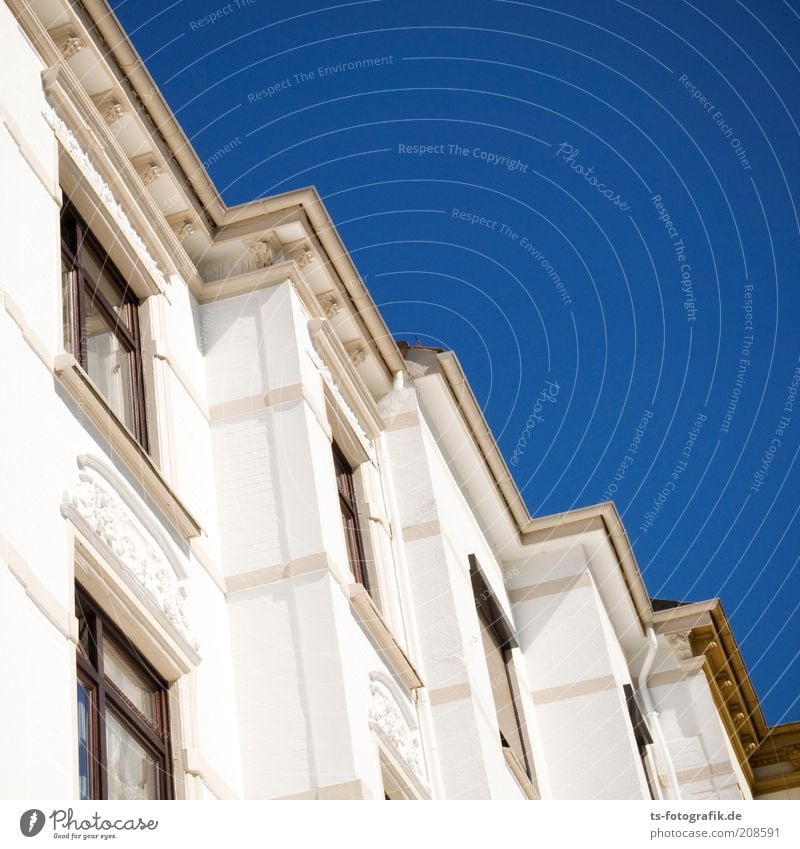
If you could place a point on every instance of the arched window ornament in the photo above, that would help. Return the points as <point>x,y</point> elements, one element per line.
<point>107,511</point>
<point>395,722</point>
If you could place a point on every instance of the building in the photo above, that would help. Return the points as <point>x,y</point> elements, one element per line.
<point>251,547</point>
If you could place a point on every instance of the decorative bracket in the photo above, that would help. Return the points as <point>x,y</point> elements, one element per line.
<point>67,40</point>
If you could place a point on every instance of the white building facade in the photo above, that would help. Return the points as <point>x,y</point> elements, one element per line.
<point>251,548</point>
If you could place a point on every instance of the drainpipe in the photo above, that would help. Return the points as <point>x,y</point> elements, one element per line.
<point>652,717</point>
<point>407,609</point>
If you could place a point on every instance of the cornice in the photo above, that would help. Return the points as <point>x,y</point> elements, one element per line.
<point>704,628</point>
<point>74,37</point>
<point>259,278</point>
<point>346,380</point>
<point>781,746</point>
<point>334,356</point>
<point>95,24</point>
<point>701,632</point>
<point>82,118</point>
<point>603,517</point>
<point>334,256</point>
<point>478,427</point>
<point>148,103</point>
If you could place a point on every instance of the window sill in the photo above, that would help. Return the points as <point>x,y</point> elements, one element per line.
<point>517,769</point>
<point>375,625</point>
<point>157,491</point>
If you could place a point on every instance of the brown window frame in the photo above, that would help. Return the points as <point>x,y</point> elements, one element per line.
<point>348,507</point>
<point>493,621</point>
<point>76,240</point>
<point>154,736</point>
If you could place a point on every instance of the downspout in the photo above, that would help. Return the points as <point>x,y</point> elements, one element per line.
<point>653,723</point>
<point>407,608</point>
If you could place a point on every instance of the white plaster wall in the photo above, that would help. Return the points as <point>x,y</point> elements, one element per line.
<point>186,334</point>
<point>567,639</point>
<point>30,247</point>
<point>235,346</point>
<point>38,752</point>
<point>249,506</point>
<point>48,431</point>
<point>292,706</point>
<point>696,738</point>
<point>273,466</point>
<point>280,702</point>
<point>192,457</point>
<point>302,670</point>
<point>471,757</point>
<point>213,695</point>
<point>301,660</point>
<point>48,437</point>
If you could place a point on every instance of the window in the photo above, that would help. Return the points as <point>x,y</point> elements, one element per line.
<point>101,323</point>
<point>498,638</point>
<point>123,748</point>
<point>352,529</point>
<point>640,731</point>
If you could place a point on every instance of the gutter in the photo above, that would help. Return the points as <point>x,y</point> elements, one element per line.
<point>339,258</point>
<point>480,432</point>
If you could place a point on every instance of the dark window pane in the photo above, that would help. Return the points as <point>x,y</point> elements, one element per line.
<point>69,231</point>
<point>84,746</point>
<point>352,530</point>
<point>640,729</point>
<point>123,747</point>
<point>100,324</point>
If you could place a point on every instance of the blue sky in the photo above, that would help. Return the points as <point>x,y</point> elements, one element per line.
<point>598,195</point>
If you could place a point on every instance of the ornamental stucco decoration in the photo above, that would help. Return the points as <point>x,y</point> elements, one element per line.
<point>81,157</point>
<point>67,40</point>
<point>303,256</point>
<point>263,254</point>
<point>113,112</point>
<point>105,511</point>
<point>150,172</point>
<point>71,45</point>
<point>396,724</point>
<point>184,230</point>
<point>792,755</point>
<point>681,645</point>
<point>351,417</point>
<point>329,304</point>
<point>357,351</point>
